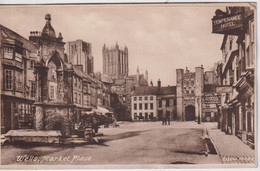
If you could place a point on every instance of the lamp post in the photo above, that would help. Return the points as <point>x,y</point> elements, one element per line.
<point>198,101</point>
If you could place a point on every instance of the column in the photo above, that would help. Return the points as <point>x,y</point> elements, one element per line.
<point>39,117</point>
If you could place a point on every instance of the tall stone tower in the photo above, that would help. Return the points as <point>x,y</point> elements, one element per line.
<point>115,61</point>
<point>179,87</point>
<point>80,54</point>
<point>199,86</point>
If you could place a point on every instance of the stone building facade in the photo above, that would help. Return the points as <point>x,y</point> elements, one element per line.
<point>196,95</point>
<point>115,62</point>
<point>64,90</point>
<point>18,86</point>
<point>237,73</point>
<point>80,54</point>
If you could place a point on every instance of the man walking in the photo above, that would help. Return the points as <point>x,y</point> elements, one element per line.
<point>164,118</point>
<point>167,118</point>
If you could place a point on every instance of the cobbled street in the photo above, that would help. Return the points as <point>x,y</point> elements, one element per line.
<point>132,143</point>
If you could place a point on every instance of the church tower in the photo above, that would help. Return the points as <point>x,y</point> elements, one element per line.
<point>115,61</point>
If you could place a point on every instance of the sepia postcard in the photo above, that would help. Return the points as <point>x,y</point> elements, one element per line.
<point>126,86</point>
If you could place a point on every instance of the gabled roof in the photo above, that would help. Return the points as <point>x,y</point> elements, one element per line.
<point>13,35</point>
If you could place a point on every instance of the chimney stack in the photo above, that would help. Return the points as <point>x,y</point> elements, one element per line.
<point>159,83</point>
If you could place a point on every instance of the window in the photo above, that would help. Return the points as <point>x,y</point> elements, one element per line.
<point>167,103</point>
<point>151,106</point>
<point>33,89</point>
<point>151,98</point>
<point>8,79</point>
<point>135,116</point>
<point>52,92</point>
<point>145,106</point>
<point>140,106</point>
<point>79,98</point>
<point>76,98</point>
<point>18,81</point>
<point>146,116</point>
<point>32,64</point>
<point>135,98</point>
<point>187,91</point>
<point>151,115</point>
<point>140,115</point>
<point>160,103</point>
<point>230,44</point>
<point>75,81</point>
<point>140,98</point>
<point>174,102</point>
<point>135,106</point>
<point>192,91</point>
<point>8,53</point>
<point>18,57</point>
<point>79,83</point>
<point>145,98</point>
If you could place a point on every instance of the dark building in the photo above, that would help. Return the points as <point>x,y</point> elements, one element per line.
<point>18,86</point>
<point>236,73</point>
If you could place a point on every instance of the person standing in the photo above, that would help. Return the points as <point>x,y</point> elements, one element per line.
<point>164,118</point>
<point>167,118</point>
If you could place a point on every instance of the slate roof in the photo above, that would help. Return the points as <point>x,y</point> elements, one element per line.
<point>13,35</point>
<point>159,91</point>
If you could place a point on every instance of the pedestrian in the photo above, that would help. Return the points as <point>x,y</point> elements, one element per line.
<point>167,118</point>
<point>164,118</point>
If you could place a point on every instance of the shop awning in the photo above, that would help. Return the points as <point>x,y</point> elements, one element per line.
<point>101,110</point>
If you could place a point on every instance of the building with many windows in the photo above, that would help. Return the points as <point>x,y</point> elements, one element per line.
<point>236,73</point>
<point>18,86</point>
<point>144,105</point>
<point>149,103</point>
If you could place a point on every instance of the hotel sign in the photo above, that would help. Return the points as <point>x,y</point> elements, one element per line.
<point>224,89</point>
<point>211,100</point>
<point>227,24</point>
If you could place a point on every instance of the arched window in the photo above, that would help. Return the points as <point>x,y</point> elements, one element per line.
<point>52,78</point>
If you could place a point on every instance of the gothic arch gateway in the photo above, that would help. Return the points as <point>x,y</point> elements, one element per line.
<point>190,113</point>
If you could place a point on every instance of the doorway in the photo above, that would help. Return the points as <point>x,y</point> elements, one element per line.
<point>190,113</point>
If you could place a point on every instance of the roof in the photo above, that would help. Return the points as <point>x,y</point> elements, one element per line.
<point>106,78</point>
<point>13,35</point>
<point>159,91</point>
<point>167,90</point>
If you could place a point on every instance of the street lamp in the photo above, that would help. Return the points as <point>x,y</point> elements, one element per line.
<point>198,110</point>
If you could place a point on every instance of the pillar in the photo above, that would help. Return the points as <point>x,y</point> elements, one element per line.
<point>39,116</point>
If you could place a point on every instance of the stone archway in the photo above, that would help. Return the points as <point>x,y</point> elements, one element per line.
<point>189,113</point>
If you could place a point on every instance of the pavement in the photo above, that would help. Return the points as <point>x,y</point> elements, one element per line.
<point>230,148</point>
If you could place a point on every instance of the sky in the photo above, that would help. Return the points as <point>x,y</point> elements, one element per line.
<point>160,38</point>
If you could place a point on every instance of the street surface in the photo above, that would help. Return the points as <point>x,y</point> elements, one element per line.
<point>130,144</point>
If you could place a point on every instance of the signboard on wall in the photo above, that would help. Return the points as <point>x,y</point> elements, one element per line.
<point>211,99</point>
<point>229,23</point>
<point>224,89</point>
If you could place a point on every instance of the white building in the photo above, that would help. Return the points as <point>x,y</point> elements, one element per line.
<point>143,104</point>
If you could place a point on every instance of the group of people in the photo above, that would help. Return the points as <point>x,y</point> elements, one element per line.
<point>166,118</point>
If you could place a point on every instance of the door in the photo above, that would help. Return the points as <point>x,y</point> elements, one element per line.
<point>7,115</point>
